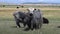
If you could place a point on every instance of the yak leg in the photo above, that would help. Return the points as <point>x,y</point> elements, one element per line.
<point>28,28</point>
<point>41,23</point>
<point>17,23</point>
<point>24,24</point>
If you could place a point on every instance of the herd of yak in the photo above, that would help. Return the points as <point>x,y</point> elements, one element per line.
<point>33,19</point>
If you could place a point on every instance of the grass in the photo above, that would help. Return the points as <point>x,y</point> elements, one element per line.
<point>7,22</point>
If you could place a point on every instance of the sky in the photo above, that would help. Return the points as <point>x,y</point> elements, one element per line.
<point>22,1</point>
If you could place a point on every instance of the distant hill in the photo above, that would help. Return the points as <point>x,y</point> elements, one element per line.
<point>2,3</point>
<point>39,3</point>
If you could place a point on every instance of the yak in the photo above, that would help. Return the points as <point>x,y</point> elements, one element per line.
<point>28,20</point>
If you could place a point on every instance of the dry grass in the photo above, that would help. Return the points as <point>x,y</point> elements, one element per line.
<point>24,9</point>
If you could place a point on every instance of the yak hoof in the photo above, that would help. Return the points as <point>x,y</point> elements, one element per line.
<point>27,29</point>
<point>18,26</point>
<point>32,28</point>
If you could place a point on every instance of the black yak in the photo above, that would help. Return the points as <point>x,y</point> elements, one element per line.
<point>45,20</point>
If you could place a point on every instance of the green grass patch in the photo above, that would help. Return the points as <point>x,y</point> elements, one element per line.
<point>7,22</point>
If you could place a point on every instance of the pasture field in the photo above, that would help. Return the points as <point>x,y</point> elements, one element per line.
<point>7,22</point>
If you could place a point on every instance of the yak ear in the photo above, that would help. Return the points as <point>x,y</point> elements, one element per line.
<point>38,9</point>
<point>28,10</point>
<point>34,9</point>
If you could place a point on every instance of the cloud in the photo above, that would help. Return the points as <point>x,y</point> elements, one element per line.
<point>40,0</point>
<point>22,0</point>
